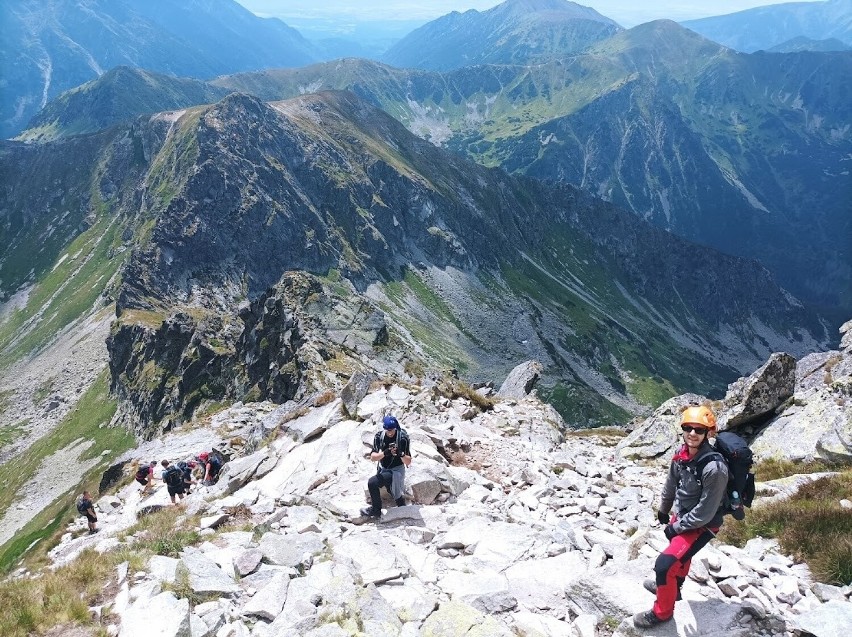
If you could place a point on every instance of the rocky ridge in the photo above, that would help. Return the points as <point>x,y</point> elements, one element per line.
<point>430,240</point>
<point>511,528</point>
<point>787,409</point>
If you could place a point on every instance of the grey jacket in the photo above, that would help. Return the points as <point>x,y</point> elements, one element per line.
<point>698,500</point>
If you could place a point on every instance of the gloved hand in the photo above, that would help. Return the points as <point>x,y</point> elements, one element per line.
<point>663,518</point>
<point>669,532</point>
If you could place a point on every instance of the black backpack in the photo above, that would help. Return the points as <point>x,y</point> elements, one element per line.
<point>173,476</point>
<point>142,473</point>
<point>83,505</point>
<point>734,450</point>
<point>217,458</point>
<point>401,435</point>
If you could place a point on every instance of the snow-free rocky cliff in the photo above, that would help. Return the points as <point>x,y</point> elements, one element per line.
<point>511,529</point>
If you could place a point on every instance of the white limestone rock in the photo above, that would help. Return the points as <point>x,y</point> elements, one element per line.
<point>529,624</point>
<point>205,576</point>
<point>163,568</point>
<point>163,615</point>
<point>269,600</point>
<point>290,549</point>
<point>831,619</point>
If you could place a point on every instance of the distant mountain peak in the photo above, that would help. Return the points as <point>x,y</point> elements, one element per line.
<point>525,7</point>
<point>662,35</point>
<point>772,25</point>
<point>516,32</point>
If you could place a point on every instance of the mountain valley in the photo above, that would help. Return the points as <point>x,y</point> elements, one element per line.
<point>535,245</point>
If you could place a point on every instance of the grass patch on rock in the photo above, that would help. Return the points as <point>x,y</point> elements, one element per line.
<point>32,606</point>
<point>811,526</point>
<point>10,433</point>
<point>773,469</point>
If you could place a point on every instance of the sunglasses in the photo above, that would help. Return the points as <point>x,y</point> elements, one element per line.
<point>688,428</point>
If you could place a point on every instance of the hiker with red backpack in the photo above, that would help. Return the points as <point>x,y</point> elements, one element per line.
<point>145,475</point>
<point>691,508</point>
<point>212,462</point>
<point>391,450</point>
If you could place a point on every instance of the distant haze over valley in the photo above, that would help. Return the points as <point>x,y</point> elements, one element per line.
<point>377,20</point>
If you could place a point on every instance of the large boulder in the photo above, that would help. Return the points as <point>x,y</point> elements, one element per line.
<point>355,390</point>
<point>759,394</point>
<point>659,433</point>
<point>164,615</point>
<point>818,426</point>
<point>827,620</point>
<point>521,380</point>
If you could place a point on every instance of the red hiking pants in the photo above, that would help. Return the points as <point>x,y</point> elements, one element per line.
<point>672,567</point>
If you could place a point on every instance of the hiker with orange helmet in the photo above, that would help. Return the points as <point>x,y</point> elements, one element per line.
<point>691,507</point>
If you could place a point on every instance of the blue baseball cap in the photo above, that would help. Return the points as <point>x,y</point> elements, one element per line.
<point>389,422</point>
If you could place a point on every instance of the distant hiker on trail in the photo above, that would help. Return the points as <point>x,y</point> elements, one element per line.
<point>212,463</point>
<point>174,479</point>
<point>87,509</point>
<point>392,452</point>
<point>694,494</point>
<point>145,475</point>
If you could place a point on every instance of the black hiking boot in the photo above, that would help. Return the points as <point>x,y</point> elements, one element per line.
<point>400,502</point>
<point>368,512</point>
<point>648,619</point>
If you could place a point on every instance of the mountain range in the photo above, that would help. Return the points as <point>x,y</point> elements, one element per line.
<point>744,153</point>
<point>771,26</point>
<point>51,46</point>
<point>195,221</point>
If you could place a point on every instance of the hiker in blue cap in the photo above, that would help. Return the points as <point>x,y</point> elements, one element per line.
<point>391,450</point>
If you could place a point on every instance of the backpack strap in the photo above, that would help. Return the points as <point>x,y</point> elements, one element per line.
<point>381,443</point>
<point>704,461</point>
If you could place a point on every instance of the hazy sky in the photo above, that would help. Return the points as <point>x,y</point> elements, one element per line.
<point>627,13</point>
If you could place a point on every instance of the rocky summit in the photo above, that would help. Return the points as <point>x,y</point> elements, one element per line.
<point>510,527</point>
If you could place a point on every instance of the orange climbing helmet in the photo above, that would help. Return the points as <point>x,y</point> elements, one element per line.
<point>695,415</point>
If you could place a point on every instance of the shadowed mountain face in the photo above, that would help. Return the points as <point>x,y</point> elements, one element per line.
<point>50,46</point>
<point>260,240</point>
<point>514,32</point>
<point>770,26</point>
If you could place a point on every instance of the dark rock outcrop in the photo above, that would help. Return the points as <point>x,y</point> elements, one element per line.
<point>751,398</point>
<point>275,349</point>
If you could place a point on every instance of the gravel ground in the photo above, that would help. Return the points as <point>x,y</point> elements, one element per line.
<point>68,367</point>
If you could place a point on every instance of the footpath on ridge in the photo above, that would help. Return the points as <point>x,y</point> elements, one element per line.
<point>511,529</point>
